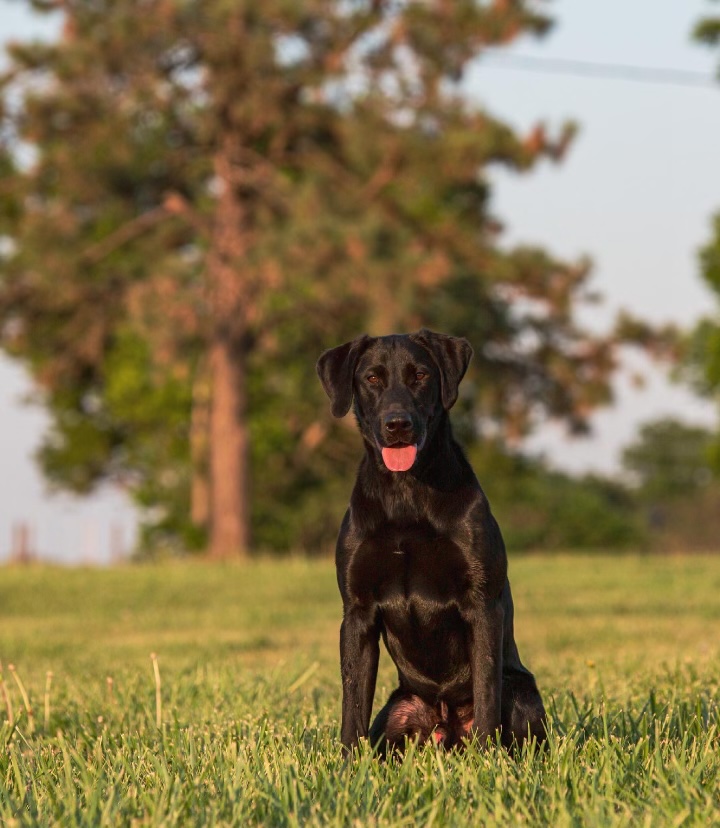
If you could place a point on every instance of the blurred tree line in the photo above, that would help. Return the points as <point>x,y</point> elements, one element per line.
<point>703,361</point>
<point>197,198</point>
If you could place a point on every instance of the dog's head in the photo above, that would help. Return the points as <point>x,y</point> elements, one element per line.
<point>399,385</point>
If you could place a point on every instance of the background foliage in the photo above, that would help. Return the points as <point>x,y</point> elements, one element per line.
<point>704,346</point>
<point>199,198</point>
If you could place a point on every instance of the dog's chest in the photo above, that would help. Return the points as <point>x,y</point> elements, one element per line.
<point>401,566</point>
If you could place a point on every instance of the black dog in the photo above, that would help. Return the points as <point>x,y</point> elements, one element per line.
<point>420,558</point>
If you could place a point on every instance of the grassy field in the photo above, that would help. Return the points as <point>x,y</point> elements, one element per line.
<point>239,725</point>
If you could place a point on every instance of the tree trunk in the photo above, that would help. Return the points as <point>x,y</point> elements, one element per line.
<point>229,445</point>
<point>230,294</point>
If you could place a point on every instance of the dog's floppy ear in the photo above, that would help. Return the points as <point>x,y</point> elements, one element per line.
<point>336,369</point>
<point>452,355</point>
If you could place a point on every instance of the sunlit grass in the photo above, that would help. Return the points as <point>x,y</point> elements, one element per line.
<point>625,650</point>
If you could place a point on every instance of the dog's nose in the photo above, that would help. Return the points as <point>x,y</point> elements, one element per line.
<point>397,423</point>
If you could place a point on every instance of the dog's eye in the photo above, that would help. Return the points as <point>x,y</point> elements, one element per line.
<point>373,379</point>
<point>420,376</point>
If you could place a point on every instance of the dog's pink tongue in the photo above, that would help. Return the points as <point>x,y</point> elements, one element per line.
<point>399,459</point>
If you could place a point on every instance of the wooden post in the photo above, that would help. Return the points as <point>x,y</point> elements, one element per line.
<point>22,551</point>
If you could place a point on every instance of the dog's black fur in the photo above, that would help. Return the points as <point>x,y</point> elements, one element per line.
<point>420,559</point>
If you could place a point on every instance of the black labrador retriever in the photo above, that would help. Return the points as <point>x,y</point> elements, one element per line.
<point>420,558</point>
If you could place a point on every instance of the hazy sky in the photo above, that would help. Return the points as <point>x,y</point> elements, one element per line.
<point>636,194</point>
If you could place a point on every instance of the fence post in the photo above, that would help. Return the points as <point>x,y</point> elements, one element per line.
<point>22,551</point>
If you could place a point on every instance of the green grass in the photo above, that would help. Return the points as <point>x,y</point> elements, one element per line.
<point>625,650</point>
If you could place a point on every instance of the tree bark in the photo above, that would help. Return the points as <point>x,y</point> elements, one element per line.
<point>229,450</point>
<point>229,291</point>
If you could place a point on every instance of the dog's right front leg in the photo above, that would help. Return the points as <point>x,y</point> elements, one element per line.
<point>359,655</point>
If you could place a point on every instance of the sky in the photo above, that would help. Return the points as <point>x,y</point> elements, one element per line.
<point>635,194</point>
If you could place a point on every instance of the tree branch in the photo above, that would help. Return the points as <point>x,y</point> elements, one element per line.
<point>173,205</point>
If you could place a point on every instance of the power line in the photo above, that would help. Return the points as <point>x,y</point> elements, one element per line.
<point>604,71</point>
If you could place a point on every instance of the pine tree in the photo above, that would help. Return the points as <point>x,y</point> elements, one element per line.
<point>198,197</point>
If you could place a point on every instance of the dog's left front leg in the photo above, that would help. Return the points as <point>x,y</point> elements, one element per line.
<point>485,638</point>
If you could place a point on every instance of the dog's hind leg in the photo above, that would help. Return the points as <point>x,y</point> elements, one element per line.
<point>522,711</point>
